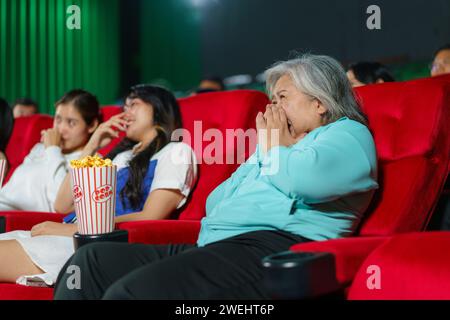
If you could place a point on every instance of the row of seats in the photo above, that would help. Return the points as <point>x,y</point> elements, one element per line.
<point>409,124</point>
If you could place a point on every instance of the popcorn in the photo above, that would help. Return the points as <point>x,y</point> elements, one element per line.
<point>94,194</point>
<point>90,162</point>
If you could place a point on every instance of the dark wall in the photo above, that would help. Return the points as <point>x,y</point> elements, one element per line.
<point>246,36</point>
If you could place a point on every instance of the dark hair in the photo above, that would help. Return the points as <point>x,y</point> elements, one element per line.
<point>85,103</point>
<point>27,102</point>
<point>6,124</point>
<point>166,119</point>
<point>371,72</point>
<point>442,48</point>
<point>216,79</point>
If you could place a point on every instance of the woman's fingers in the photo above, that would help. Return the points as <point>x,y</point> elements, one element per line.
<point>276,116</point>
<point>119,124</point>
<point>113,132</point>
<point>268,115</point>
<point>283,117</point>
<point>260,121</point>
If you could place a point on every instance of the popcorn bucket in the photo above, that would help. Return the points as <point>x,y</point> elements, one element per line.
<point>94,194</point>
<point>2,171</point>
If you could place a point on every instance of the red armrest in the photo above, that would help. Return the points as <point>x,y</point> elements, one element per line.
<point>161,231</point>
<point>25,220</point>
<point>349,253</point>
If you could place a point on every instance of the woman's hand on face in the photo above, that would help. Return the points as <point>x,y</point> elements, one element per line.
<point>50,228</point>
<point>106,132</point>
<point>273,129</point>
<point>50,137</point>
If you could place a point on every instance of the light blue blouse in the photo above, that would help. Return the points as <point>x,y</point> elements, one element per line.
<point>317,188</point>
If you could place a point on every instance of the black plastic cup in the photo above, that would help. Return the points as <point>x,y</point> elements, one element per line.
<point>300,275</point>
<point>80,240</point>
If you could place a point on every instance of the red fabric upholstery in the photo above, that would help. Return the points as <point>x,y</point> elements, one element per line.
<point>161,231</point>
<point>25,220</point>
<point>349,253</point>
<point>411,266</point>
<point>26,133</point>
<point>219,111</point>
<point>11,291</point>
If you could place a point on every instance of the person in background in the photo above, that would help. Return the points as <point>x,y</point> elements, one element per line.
<point>210,84</point>
<point>441,61</point>
<point>364,73</point>
<point>25,107</point>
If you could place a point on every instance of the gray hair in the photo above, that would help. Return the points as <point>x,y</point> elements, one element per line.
<point>322,78</point>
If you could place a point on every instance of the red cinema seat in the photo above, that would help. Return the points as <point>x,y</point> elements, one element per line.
<point>217,111</point>
<point>409,121</point>
<point>413,266</point>
<point>26,133</point>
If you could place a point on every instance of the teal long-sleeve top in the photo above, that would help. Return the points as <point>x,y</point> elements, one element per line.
<point>317,188</point>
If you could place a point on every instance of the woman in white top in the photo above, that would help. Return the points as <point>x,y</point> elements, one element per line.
<point>6,125</point>
<point>35,183</point>
<point>154,178</point>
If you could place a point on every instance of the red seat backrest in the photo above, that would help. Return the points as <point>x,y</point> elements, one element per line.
<point>26,133</point>
<point>218,111</point>
<point>412,137</point>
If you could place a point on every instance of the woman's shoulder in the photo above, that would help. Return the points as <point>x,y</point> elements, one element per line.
<point>121,160</point>
<point>174,149</point>
<point>344,127</point>
<point>2,156</point>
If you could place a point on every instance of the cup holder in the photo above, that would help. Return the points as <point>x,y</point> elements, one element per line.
<point>300,275</point>
<point>80,240</point>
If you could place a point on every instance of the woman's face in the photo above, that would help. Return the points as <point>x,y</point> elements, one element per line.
<point>441,64</point>
<point>353,81</point>
<point>139,116</point>
<point>303,112</point>
<point>74,131</point>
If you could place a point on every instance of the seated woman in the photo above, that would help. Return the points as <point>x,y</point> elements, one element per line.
<point>312,183</point>
<point>35,183</point>
<point>364,73</point>
<point>6,126</point>
<point>154,179</point>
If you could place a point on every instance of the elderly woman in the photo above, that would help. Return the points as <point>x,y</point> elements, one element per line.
<point>312,179</point>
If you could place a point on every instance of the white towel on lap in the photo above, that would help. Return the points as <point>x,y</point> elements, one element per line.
<point>49,253</point>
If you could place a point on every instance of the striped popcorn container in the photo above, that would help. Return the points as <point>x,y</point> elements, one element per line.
<point>94,194</point>
<point>2,171</point>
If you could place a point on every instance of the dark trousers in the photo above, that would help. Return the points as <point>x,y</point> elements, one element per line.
<point>227,269</point>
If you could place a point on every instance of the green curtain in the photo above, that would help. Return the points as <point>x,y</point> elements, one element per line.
<point>41,58</point>
<point>170,43</point>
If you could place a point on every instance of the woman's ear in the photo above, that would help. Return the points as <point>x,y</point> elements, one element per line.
<point>93,126</point>
<point>321,110</point>
<point>379,80</point>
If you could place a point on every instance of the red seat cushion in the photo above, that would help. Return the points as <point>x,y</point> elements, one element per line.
<point>11,291</point>
<point>410,266</point>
